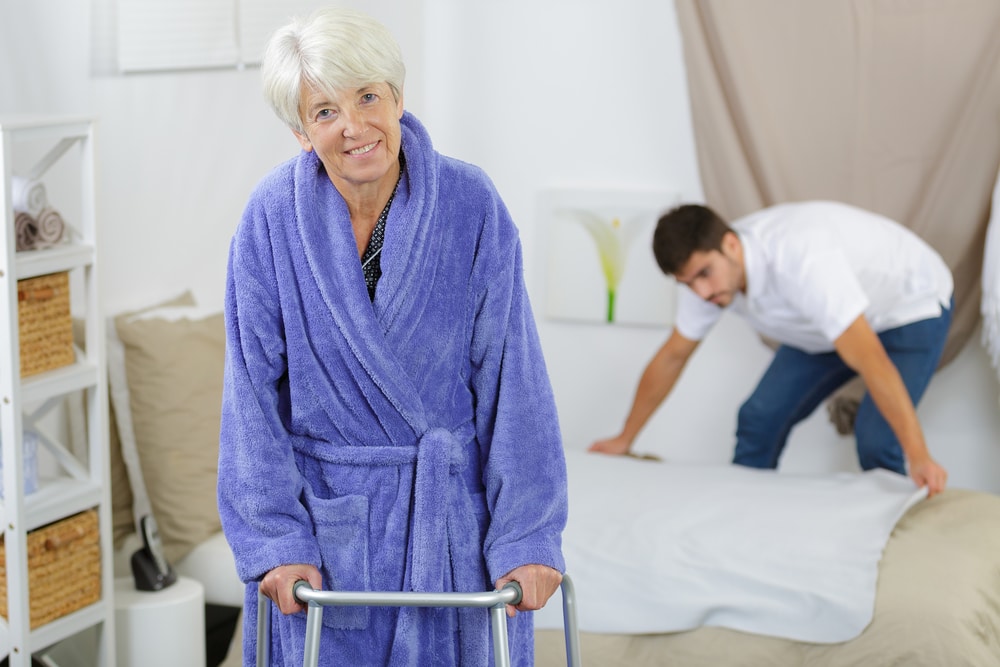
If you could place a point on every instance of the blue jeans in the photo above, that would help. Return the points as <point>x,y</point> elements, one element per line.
<point>796,382</point>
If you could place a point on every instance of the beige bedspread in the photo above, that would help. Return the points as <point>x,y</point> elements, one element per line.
<point>937,605</point>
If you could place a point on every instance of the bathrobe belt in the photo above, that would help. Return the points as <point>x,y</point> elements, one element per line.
<point>443,525</point>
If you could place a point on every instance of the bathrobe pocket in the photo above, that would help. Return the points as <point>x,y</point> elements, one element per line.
<point>342,534</point>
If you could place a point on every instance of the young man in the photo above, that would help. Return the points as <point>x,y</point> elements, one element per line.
<point>846,292</point>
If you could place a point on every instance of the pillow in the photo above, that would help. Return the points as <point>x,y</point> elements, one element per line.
<point>173,358</point>
<point>123,521</point>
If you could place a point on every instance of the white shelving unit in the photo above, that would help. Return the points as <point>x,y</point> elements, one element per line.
<point>82,478</point>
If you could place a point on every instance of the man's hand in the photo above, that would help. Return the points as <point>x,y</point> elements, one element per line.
<point>617,445</point>
<point>278,585</point>
<point>656,383</point>
<point>861,349</point>
<point>928,473</point>
<point>538,583</point>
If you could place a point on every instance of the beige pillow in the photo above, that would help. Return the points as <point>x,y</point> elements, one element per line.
<point>122,515</point>
<point>174,362</point>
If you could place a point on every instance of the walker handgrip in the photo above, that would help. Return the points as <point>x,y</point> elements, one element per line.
<point>297,586</point>
<point>516,587</point>
<point>306,594</point>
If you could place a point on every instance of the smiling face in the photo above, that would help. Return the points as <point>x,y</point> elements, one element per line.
<point>716,275</point>
<point>355,133</point>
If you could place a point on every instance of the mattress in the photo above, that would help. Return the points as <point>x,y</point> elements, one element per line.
<point>937,603</point>
<point>664,547</point>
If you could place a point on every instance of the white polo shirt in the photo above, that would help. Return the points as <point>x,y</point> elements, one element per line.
<point>813,267</point>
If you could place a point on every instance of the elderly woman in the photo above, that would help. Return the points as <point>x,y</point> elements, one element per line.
<point>388,423</point>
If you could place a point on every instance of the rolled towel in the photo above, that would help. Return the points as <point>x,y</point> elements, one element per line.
<point>28,195</point>
<point>50,228</point>
<point>25,231</point>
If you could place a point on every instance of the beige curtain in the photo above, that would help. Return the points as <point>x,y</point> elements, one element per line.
<point>890,105</point>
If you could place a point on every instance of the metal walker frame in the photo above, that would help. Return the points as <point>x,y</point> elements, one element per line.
<point>496,601</point>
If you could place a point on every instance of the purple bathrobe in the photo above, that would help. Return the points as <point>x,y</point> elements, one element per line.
<point>410,443</point>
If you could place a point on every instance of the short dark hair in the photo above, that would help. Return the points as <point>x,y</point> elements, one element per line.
<point>684,230</point>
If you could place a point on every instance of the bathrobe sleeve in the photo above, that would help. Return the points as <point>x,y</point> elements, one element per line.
<point>516,421</point>
<point>259,487</point>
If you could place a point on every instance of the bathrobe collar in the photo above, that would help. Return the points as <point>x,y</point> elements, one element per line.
<point>323,227</point>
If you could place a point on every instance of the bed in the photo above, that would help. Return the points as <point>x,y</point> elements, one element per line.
<point>933,570</point>
<point>936,600</point>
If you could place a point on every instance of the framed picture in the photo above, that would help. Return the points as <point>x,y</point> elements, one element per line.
<point>599,264</point>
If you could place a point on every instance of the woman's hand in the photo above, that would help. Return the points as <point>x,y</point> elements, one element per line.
<point>538,583</point>
<point>279,583</point>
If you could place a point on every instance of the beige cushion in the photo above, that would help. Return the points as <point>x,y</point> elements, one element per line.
<point>123,517</point>
<point>174,359</point>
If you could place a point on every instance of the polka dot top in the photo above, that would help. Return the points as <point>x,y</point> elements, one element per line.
<point>370,264</point>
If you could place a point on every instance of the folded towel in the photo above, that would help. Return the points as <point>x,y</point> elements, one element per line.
<point>28,195</point>
<point>25,231</point>
<point>50,228</point>
<point>990,304</point>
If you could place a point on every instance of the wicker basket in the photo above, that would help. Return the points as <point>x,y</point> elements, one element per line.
<point>64,568</point>
<point>45,323</point>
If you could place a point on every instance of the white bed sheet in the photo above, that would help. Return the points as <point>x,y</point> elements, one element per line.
<point>658,547</point>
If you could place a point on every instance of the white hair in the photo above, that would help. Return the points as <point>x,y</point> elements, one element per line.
<point>332,50</point>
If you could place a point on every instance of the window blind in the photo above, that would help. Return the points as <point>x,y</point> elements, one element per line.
<point>187,34</point>
<point>176,34</point>
<point>257,19</point>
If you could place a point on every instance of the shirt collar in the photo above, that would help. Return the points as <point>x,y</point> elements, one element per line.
<point>753,266</point>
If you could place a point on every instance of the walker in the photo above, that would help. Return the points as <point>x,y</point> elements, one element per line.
<point>495,600</point>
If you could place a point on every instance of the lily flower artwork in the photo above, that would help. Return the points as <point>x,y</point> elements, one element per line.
<point>613,238</point>
<point>600,260</point>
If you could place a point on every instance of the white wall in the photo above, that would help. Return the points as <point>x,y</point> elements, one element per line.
<point>582,93</point>
<point>178,152</point>
<point>592,94</point>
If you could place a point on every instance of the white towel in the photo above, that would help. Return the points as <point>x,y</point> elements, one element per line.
<point>659,547</point>
<point>50,228</point>
<point>990,304</point>
<point>28,195</point>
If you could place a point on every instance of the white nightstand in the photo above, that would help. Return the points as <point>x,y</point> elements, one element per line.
<point>163,628</point>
